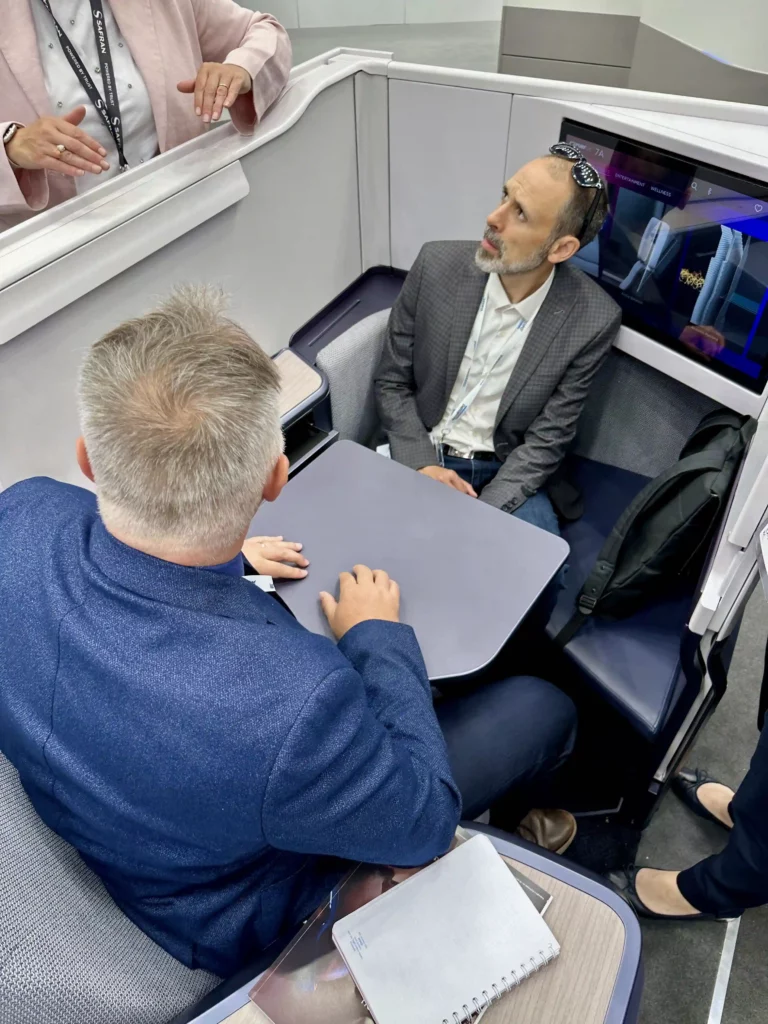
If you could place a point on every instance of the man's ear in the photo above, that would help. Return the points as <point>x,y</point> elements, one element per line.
<point>278,478</point>
<point>82,458</point>
<point>563,249</point>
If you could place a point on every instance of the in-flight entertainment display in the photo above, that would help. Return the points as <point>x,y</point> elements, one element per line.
<point>684,251</point>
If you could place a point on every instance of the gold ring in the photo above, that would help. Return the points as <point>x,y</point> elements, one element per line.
<point>222,86</point>
<point>61,147</point>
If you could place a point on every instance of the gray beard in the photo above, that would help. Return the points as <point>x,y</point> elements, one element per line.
<point>496,265</point>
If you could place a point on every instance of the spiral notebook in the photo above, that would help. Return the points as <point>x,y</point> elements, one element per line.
<point>445,944</point>
<point>309,982</point>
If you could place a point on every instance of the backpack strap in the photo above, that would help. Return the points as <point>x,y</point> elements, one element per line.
<point>605,566</point>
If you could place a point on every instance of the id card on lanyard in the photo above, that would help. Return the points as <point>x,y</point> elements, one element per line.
<point>108,108</point>
<point>465,403</point>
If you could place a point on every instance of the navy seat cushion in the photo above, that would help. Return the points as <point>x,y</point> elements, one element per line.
<point>633,662</point>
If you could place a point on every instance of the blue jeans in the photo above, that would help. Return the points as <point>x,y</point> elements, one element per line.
<point>537,510</point>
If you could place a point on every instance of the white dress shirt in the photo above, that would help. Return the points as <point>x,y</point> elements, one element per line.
<point>66,92</point>
<point>497,339</point>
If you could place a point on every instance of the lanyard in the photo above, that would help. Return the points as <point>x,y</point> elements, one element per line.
<point>109,107</point>
<point>463,405</point>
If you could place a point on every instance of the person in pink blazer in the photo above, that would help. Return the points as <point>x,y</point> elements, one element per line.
<point>176,66</point>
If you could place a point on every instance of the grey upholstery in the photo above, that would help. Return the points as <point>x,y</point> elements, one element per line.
<point>349,363</point>
<point>637,418</point>
<point>68,955</point>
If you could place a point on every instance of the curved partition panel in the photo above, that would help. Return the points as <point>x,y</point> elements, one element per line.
<point>52,234</point>
<point>57,284</point>
<point>278,228</point>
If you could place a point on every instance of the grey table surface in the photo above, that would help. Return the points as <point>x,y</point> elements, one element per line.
<point>468,573</point>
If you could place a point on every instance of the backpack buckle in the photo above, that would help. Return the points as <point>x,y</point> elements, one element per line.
<point>587,604</point>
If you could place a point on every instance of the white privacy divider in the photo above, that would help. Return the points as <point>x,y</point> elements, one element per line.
<point>448,150</point>
<point>373,166</point>
<point>275,221</point>
<point>115,249</point>
<point>576,92</point>
<point>36,243</point>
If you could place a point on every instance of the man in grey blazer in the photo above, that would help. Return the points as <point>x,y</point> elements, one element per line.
<point>491,351</point>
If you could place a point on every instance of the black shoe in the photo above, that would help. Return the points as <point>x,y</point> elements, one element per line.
<point>625,882</point>
<point>685,785</point>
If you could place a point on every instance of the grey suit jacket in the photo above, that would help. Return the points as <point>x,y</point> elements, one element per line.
<point>428,332</point>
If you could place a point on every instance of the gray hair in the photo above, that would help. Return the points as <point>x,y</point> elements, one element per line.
<point>179,411</point>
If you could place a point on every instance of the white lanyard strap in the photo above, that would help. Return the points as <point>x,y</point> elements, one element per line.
<point>464,404</point>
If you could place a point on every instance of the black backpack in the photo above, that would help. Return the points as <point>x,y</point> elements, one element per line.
<point>666,531</point>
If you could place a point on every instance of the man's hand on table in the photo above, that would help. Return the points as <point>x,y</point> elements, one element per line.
<point>447,476</point>
<point>275,557</point>
<point>366,595</point>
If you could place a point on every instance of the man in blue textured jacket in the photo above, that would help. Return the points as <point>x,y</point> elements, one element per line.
<point>216,764</point>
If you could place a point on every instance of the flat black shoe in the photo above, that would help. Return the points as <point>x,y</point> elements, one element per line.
<point>625,882</point>
<point>685,785</point>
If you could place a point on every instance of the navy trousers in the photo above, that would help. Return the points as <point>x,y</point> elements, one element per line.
<point>506,740</point>
<point>737,879</point>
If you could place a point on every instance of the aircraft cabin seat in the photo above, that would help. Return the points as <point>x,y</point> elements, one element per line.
<point>67,952</point>
<point>635,662</point>
<point>349,363</point>
<point>638,664</point>
<point>68,955</point>
<point>720,274</point>
<point>651,248</point>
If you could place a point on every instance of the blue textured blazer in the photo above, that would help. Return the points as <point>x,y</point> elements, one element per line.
<point>208,757</point>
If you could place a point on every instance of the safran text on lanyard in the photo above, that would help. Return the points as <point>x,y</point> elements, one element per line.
<point>108,107</point>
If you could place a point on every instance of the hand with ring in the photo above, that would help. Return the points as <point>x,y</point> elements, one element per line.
<point>57,144</point>
<point>216,87</point>
<point>275,557</point>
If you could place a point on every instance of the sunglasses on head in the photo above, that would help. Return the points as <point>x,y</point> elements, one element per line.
<point>585,176</point>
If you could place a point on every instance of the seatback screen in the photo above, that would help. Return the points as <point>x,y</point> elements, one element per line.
<point>684,251</point>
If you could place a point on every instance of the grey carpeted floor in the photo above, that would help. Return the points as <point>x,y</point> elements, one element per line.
<point>681,961</point>
<point>747,1000</point>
